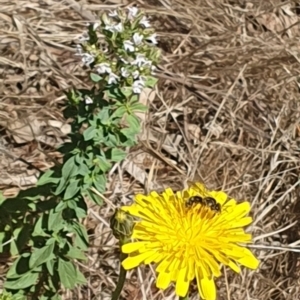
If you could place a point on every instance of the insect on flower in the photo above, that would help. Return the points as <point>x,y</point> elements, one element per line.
<point>188,235</point>
<point>209,202</point>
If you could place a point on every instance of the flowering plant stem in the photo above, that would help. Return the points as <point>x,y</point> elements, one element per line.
<point>121,280</point>
<point>184,298</point>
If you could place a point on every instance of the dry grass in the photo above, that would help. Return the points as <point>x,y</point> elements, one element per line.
<point>226,112</point>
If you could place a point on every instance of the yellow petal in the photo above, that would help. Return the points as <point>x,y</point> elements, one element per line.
<point>163,280</point>
<point>207,288</point>
<point>182,283</point>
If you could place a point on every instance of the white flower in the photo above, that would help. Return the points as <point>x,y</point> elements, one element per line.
<point>153,69</point>
<point>141,61</point>
<point>137,38</point>
<point>119,27</point>
<point>124,61</point>
<point>103,68</point>
<point>87,59</point>
<point>144,21</point>
<point>124,72</point>
<point>114,28</point>
<point>88,100</point>
<point>96,25</point>
<point>128,46</point>
<point>79,50</point>
<point>152,39</point>
<point>138,86</point>
<point>135,74</point>
<point>113,78</point>
<point>113,14</point>
<point>132,12</point>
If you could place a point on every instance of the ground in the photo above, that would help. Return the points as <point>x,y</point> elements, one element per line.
<point>226,111</point>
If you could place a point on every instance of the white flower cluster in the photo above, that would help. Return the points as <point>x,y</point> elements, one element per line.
<point>130,65</point>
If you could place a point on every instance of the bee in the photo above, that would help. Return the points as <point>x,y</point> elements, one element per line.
<point>206,201</point>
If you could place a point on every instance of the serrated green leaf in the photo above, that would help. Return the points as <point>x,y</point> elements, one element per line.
<point>42,255</point>
<point>95,77</point>
<point>89,133</point>
<point>23,282</point>
<point>72,189</point>
<point>67,273</point>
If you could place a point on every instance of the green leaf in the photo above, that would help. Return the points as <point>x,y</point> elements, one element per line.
<point>138,107</point>
<point>81,239</point>
<point>117,155</point>
<point>42,255</point>
<point>69,168</point>
<point>55,220</point>
<point>72,189</point>
<point>104,115</point>
<point>119,112</point>
<point>19,267</point>
<point>13,248</point>
<point>89,133</point>
<point>80,213</point>
<point>83,169</point>
<point>133,123</point>
<point>75,253</point>
<point>67,273</point>
<point>50,266</point>
<point>95,77</point>
<point>80,277</point>
<point>126,91</point>
<point>103,163</point>
<point>38,228</point>
<point>46,178</point>
<point>115,93</point>
<point>99,182</point>
<point>61,186</point>
<point>151,81</point>
<point>94,197</point>
<point>23,282</point>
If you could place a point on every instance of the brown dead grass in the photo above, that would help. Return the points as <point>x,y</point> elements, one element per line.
<point>226,112</point>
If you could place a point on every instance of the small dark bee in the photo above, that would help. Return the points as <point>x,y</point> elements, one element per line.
<point>194,200</point>
<point>207,201</point>
<point>212,204</point>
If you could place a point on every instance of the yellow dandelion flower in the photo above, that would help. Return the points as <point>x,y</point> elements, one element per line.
<point>188,238</point>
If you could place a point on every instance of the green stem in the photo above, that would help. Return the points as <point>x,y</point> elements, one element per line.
<point>184,298</point>
<point>117,292</point>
